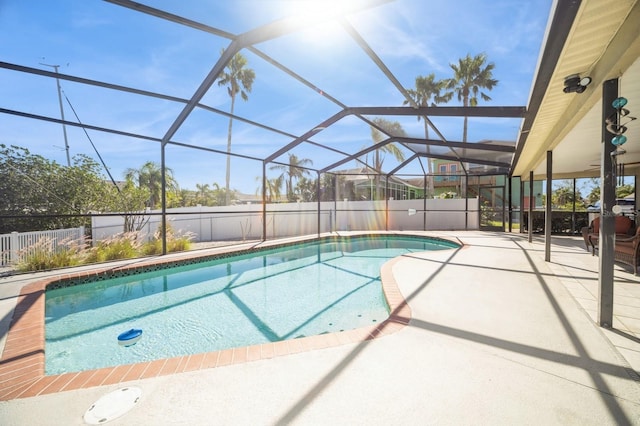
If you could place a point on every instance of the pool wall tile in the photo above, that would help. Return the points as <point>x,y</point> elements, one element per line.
<point>22,361</point>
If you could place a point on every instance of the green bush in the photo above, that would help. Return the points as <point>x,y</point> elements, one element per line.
<point>179,244</point>
<point>121,246</point>
<point>44,255</point>
<point>151,248</point>
<point>174,242</point>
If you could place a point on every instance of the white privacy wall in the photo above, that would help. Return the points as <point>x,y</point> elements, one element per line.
<point>244,222</point>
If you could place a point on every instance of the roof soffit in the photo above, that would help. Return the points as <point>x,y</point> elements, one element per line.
<point>594,29</point>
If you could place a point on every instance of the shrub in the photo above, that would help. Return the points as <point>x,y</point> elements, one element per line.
<point>153,247</point>
<point>45,254</point>
<point>120,246</point>
<point>180,242</point>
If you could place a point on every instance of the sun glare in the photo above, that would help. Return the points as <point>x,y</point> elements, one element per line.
<point>321,16</point>
<point>319,9</point>
<point>323,9</point>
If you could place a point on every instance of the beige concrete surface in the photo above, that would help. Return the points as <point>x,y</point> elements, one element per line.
<point>497,336</point>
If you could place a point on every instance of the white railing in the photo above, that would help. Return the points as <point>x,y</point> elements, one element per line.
<point>17,245</point>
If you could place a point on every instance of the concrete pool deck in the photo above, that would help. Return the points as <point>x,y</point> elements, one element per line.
<point>496,335</point>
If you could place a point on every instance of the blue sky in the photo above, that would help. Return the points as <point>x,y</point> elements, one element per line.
<point>98,40</point>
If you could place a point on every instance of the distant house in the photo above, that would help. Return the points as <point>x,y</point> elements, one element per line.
<point>447,175</point>
<point>364,183</point>
<point>240,198</point>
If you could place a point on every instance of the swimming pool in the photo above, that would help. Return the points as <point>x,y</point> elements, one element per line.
<point>267,295</point>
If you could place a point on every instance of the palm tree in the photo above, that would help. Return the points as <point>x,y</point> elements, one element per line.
<point>202,193</point>
<point>293,171</point>
<point>273,188</point>
<point>149,176</point>
<point>428,91</point>
<point>392,128</point>
<point>471,75</point>
<point>238,79</point>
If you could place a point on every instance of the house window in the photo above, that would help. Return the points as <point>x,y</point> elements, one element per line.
<point>453,168</point>
<point>443,168</point>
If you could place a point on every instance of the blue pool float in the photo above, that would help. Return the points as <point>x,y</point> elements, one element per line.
<point>130,338</point>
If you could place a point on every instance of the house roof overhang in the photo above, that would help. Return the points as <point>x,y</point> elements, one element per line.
<point>602,41</point>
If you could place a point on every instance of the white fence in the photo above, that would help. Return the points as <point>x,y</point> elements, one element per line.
<point>17,245</point>
<point>245,222</point>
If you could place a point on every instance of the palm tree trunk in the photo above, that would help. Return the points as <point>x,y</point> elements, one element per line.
<point>227,195</point>
<point>429,165</point>
<point>465,103</point>
<point>464,134</point>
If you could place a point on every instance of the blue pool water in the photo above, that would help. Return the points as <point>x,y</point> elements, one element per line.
<point>266,296</point>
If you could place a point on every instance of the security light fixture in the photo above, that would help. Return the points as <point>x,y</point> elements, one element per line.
<point>575,83</point>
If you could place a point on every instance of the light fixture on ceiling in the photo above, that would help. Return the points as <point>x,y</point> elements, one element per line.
<point>575,83</point>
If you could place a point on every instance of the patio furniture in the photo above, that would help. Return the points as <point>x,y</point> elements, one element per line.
<point>627,240</point>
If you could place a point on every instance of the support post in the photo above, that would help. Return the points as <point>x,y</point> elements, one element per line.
<point>531,205</point>
<point>547,214</point>
<point>336,197</point>
<point>606,238</point>
<point>522,206</point>
<point>424,205</point>
<point>319,203</point>
<point>510,201</point>
<point>466,201</point>
<point>386,203</point>
<point>573,210</point>
<point>163,174</point>
<point>264,201</point>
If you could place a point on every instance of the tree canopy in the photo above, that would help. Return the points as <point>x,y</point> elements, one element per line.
<point>149,177</point>
<point>34,189</point>
<point>470,76</point>
<point>293,171</point>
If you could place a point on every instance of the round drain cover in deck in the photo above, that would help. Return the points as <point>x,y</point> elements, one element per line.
<point>112,405</point>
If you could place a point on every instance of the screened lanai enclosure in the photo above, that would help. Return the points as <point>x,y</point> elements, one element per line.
<point>250,120</point>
